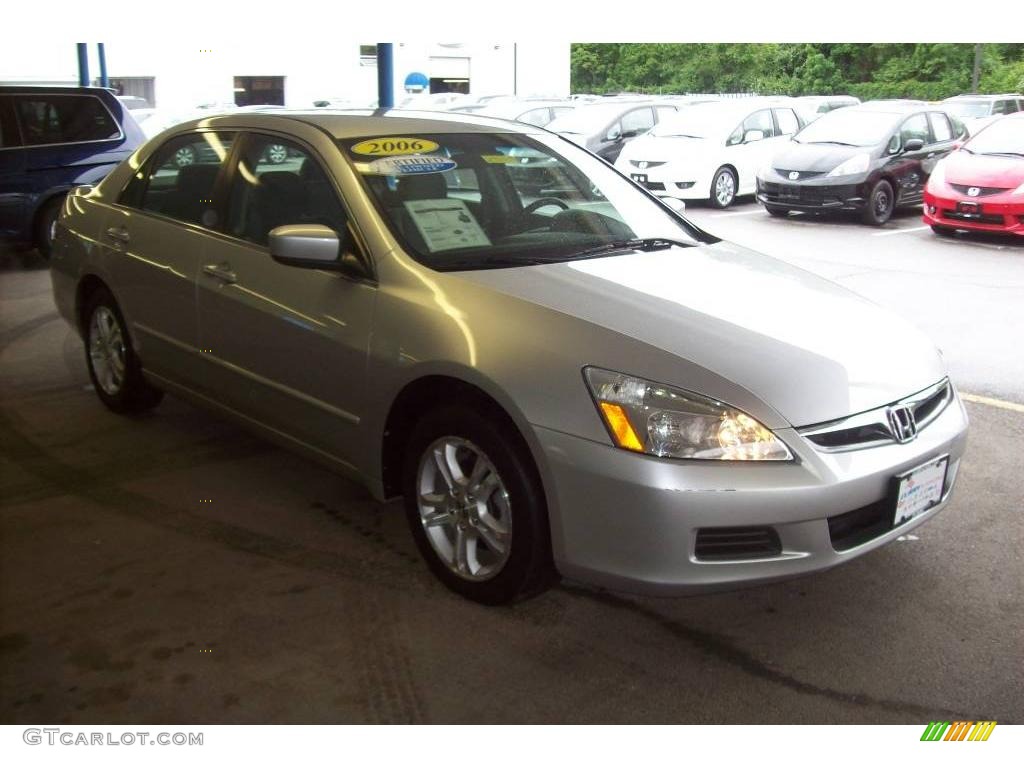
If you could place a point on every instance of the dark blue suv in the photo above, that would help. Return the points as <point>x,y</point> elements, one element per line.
<point>53,139</point>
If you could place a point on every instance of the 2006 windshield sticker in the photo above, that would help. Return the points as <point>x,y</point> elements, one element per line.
<point>394,145</point>
<point>410,165</point>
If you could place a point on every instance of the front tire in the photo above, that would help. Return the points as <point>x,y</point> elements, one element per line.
<point>113,365</point>
<point>880,205</point>
<point>475,506</point>
<point>723,188</point>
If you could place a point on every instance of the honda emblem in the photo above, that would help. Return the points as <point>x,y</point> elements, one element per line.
<point>902,423</point>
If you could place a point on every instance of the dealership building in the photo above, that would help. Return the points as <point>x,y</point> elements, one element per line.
<point>180,76</point>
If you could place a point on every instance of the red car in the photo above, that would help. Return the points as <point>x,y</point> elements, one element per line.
<point>981,186</point>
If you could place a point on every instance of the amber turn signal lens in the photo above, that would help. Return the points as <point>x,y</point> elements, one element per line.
<point>619,424</point>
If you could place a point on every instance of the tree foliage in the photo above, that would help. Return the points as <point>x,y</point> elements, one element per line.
<point>868,70</point>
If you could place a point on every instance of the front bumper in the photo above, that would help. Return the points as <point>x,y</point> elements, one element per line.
<point>682,183</point>
<point>998,213</point>
<point>818,194</point>
<point>630,522</point>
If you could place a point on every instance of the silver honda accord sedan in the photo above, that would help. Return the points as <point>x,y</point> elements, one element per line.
<point>559,373</point>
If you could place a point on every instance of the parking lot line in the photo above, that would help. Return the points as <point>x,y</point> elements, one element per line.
<point>740,213</point>
<point>901,231</point>
<point>1004,404</point>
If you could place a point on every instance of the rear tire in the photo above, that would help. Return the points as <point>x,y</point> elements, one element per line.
<point>476,507</point>
<point>46,226</point>
<point>113,365</point>
<point>881,203</point>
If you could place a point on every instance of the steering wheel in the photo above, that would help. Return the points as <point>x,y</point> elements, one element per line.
<point>540,202</point>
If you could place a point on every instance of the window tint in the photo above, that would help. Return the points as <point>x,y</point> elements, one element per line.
<point>639,120</point>
<point>940,127</point>
<point>63,119</point>
<point>278,182</point>
<point>8,128</point>
<point>915,127</point>
<point>178,181</point>
<point>788,124</point>
<point>759,121</point>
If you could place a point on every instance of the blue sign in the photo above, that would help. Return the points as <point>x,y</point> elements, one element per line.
<point>416,81</point>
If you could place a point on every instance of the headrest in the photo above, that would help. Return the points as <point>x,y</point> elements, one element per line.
<point>424,186</point>
<point>197,179</point>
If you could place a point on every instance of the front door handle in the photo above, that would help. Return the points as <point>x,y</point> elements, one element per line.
<point>222,272</point>
<point>120,234</point>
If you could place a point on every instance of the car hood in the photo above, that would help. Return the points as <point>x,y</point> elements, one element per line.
<point>667,149</point>
<point>804,346</point>
<point>814,158</point>
<point>984,170</point>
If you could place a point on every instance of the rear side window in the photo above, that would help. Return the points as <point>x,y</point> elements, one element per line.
<point>8,128</point>
<point>178,181</point>
<point>64,119</point>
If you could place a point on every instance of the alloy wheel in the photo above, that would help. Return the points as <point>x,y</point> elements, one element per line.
<point>725,188</point>
<point>464,508</point>
<point>106,350</point>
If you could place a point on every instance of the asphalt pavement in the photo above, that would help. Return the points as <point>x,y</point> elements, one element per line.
<point>175,569</point>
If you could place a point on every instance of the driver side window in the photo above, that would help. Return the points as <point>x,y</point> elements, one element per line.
<point>638,121</point>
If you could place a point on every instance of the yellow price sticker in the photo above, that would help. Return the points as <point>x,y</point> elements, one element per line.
<point>499,159</point>
<point>394,145</point>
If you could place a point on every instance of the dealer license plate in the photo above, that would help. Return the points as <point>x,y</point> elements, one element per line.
<point>920,489</point>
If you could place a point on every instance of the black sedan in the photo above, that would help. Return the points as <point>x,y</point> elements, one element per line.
<point>869,159</point>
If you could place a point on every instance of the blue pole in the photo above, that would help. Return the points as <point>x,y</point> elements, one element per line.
<point>104,80</point>
<point>83,64</point>
<point>385,76</point>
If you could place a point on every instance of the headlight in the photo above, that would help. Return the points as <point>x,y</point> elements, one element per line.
<point>856,164</point>
<point>938,175</point>
<point>651,418</point>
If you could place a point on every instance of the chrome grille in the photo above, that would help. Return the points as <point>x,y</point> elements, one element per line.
<point>875,427</point>
<point>647,163</point>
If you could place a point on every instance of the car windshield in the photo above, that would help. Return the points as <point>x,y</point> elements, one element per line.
<point>1003,137</point>
<point>489,200</point>
<point>699,122</point>
<point>850,127</point>
<point>966,110</point>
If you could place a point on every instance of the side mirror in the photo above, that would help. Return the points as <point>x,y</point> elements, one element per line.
<point>615,134</point>
<point>913,145</point>
<point>750,136</point>
<point>629,134</point>
<point>314,246</point>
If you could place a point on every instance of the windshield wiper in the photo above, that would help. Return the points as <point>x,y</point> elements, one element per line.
<point>1010,154</point>
<point>638,244</point>
<point>679,135</point>
<point>839,143</point>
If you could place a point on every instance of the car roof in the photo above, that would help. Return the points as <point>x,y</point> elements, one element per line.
<point>983,96</point>
<point>352,123</point>
<point>44,88</point>
<point>893,106</point>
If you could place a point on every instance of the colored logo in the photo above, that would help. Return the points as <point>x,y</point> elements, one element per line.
<point>961,730</point>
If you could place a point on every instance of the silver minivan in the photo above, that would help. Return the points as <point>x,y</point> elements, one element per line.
<point>570,380</point>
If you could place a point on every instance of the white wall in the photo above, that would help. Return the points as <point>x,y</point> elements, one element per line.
<point>186,75</point>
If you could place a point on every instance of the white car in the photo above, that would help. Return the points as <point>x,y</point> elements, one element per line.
<point>711,151</point>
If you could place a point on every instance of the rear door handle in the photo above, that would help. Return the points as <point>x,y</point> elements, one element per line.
<point>120,234</point>
<point>222,272</point>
